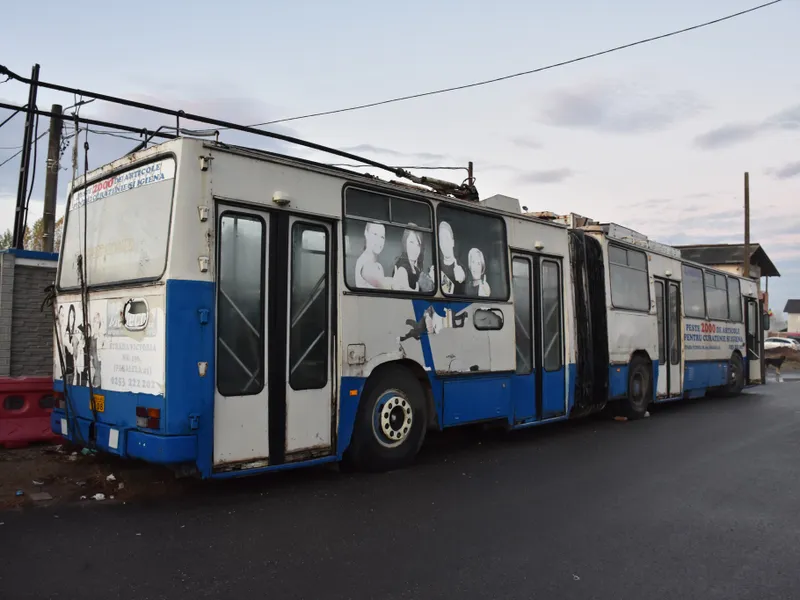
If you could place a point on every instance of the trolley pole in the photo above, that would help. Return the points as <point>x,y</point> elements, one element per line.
<point>51,179</point>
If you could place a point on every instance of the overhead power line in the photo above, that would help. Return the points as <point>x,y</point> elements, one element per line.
<point>11,116</point>
<point>519,74</point>
<point>18,152</point>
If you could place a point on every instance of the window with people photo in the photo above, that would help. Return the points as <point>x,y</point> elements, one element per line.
<point>388,243</point>
<point>472,254</point>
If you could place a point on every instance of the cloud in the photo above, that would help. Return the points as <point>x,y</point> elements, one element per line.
<point>788,119</point>
<point>727,135</point>
<point>235,109</point>
<point>785,228</point>
<point>734,133</point>
<point>546,176</point>
<point>654,202</point>
<point>428,157</point>
<point>787,171</point>
<point>526,142</point>
<point>617,108</point>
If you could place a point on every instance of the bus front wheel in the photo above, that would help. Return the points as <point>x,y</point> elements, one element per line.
<point>391,422</point>
<point>640,386</point>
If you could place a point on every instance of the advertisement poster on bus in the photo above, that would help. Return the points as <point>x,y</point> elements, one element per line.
<point>703,336</point>
<point>126,344</point>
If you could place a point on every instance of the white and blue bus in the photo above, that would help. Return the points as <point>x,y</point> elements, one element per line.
<point>227,311</point>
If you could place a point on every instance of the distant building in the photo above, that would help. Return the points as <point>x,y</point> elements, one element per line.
<point>793,310</point>
<point>730,257</point>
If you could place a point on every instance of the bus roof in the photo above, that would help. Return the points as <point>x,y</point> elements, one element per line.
<point>501,204</point>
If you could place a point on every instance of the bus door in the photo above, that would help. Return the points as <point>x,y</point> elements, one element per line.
<point>670,339</point>
<point>539,386</point>
<point>274,400</point>
<point>753,335</point>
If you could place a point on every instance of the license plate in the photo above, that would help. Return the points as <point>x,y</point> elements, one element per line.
<point>98,403</point>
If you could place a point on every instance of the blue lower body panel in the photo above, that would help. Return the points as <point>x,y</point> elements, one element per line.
<point>701,375</point>
<point>617,381</point>
<point>554,393</point>
<point>125,442</point>
<point>458,400</point>
<point>473,399</point>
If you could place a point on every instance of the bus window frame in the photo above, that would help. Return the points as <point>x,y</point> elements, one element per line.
<point>561,315</point>
<point>741,302</point>
<point>662,334</point>
<point>399,196</point>
<point>124,282</point>
<point>646,272</point>
<point>264,289</point>
<point>506,256</point>
<point>684,304</point>
<point>714,274</point>
<point>728,277</point>
<point>330,296</point>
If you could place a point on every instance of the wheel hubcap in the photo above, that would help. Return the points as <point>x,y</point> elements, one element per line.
<point>393,419</point>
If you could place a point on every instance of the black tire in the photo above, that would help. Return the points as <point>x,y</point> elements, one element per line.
<point>735,376</point>
<point>383,440</point>
<point>640,389</point>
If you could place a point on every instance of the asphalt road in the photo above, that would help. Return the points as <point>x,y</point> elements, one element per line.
<point>699,501</point>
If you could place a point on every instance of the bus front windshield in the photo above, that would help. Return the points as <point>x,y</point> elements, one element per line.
<point>122,223</point>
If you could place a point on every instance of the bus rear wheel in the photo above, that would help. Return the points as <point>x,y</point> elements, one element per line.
<point>640,387</point>
<point>391,422</point>
<point>735,376</point>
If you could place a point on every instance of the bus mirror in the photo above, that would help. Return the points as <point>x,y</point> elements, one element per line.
<point>766,322</point>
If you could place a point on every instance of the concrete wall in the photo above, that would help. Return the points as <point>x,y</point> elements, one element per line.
<point>6,311</point>
<point>26,332</point>
<point>794,323</point>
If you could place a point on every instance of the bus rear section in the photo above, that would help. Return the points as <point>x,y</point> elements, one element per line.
<point>672,329</point>
<point>110,313</point>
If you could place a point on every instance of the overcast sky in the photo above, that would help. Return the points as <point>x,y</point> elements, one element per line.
<point>656,138</point>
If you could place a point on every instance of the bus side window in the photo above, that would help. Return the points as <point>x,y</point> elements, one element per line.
<point>716,295</point>
<point>388,243</point>
<point>473,254</point>
<point>694,303</point>
<point>630,286</point>
<point>735,299</point>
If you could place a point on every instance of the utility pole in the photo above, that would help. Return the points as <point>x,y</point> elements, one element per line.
<point>25,162</point>
<point>51,179</point>
<point>746,262</point>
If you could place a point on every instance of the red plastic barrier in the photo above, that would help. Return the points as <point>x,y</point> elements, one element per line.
<point>25,407</point>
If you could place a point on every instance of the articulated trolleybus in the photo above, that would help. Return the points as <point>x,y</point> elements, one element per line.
<point>228,311</point>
